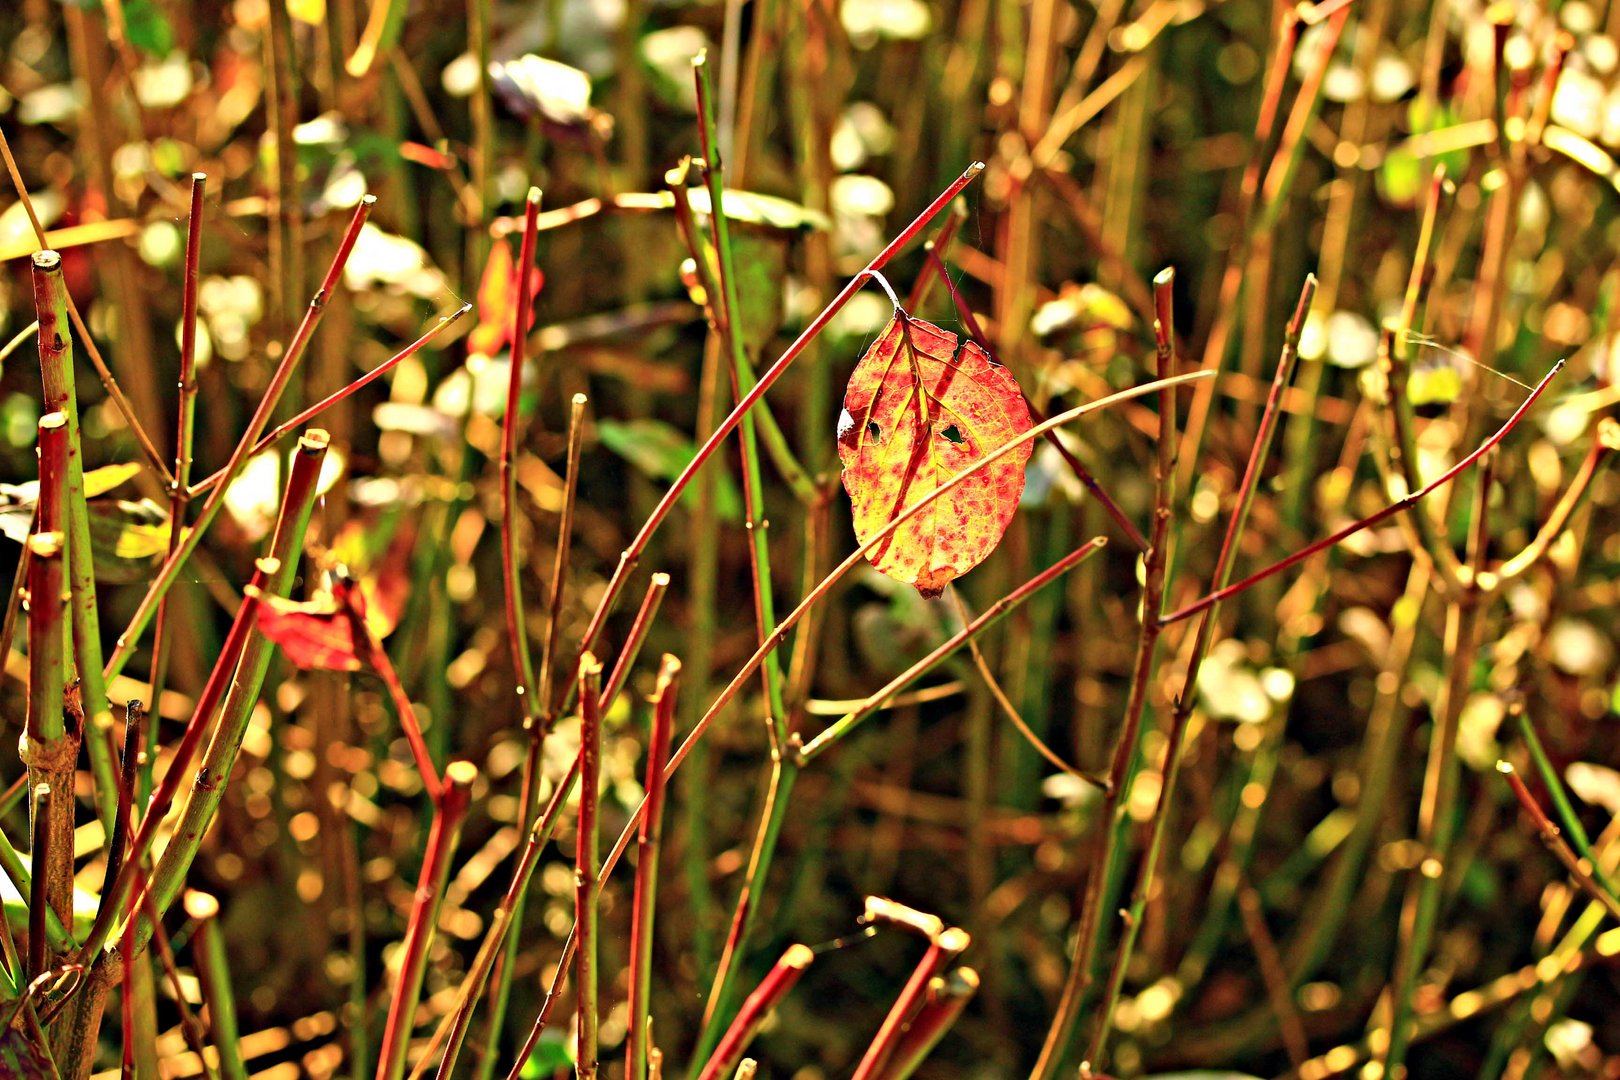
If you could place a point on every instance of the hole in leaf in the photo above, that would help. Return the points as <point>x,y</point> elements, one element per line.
<point>872,430</point>
<point>954,434</point>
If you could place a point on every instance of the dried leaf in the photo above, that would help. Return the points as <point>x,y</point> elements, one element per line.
<point>920,408</point>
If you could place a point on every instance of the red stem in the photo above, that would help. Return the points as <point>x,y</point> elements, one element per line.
<point>646,894</point>
<point>123,818</point>
<point>587,862</point>
<point>179,495</point>
<point>157,807</point>
<point>38,898</point>
<point>354,602</point>
<point>1373,519</point>
<point>771,990</point>
<point>127,1005</point>
<point>632,642</point>
<point>946,998</point>
<point>269,399</point>
<point>281,431</point>
<point>47,588</point>
<point>633,552</point>
<point>941,951</point>
<point>449,810</point>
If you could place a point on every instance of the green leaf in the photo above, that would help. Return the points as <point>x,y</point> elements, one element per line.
<point>761,265</point>
<point>85,903</point>
<point>661,452</point>
<point>1400,177</point>
<point>128,540</point>
<point>1433,384</point>
<point>147,28</point>
<point>550,1055</point>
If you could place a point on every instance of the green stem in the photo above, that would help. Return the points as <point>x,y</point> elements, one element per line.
<point>170,571</point>
<point>517,633</point>
<point>56,372</point>
<point>588,866</point>
<point>168,879</point>
<point>783,772</point>
<point>1567,817</point>
<point>1106,877</point>
<point>1437,813</point>
<point>214,974</point>
<point>12,865</point>
<point>723,993</point>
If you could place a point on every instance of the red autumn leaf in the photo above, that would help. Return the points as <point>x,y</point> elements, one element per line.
<point>384,581</point>
<point>428,156</point>
<point>920,408</point>
<point>315,634</point>
<point>497,300</point>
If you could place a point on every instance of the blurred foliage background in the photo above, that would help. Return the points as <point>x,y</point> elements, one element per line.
<point>1242,143</point>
